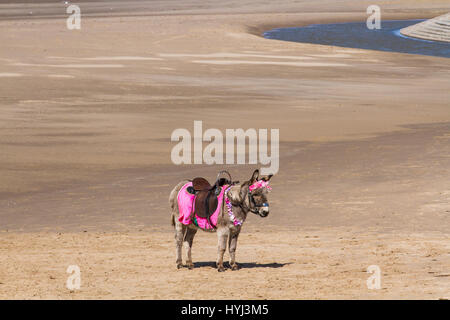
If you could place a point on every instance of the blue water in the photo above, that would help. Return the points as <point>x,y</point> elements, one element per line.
<point>357,35</point>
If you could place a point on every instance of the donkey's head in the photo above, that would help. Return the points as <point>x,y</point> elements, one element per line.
<point>258,189</point>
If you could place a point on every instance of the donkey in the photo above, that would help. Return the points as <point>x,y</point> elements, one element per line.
<point>239,200</point>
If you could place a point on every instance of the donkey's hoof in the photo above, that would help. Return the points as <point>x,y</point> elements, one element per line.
<point>190,266</point>
<point>220,269</point>
<point>234,267</point>
<point>179,265</point>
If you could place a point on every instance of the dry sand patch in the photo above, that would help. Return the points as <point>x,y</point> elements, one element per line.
<point>288,264</point>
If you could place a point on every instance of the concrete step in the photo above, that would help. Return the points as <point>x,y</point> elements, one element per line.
<point>437,29</point>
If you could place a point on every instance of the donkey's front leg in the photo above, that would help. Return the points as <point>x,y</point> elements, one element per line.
<point>232,244</point>
<point>222,235</point>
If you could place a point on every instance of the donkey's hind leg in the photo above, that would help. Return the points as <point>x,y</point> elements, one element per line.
<point>180,229</point>
<point>222,236</point>
<point>188,240</point>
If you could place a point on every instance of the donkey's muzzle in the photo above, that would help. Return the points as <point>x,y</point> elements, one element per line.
<point>264,210</point>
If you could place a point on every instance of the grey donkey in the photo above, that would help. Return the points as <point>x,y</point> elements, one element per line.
<point>242,200</point>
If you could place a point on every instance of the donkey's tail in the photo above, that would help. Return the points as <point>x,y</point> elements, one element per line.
<point>172,221</point>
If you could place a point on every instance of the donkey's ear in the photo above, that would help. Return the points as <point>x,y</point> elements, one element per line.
<point>267,178</point>
<point>255,176</point>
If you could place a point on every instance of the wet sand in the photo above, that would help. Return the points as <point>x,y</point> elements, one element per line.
<point>86,118</point>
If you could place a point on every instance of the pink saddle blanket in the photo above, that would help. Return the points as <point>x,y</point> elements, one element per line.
<point>186,206</point>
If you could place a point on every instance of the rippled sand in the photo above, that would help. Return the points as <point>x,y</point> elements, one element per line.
<point>86,118</point>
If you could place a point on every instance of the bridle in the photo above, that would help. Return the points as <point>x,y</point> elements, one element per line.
<point>252,201</point>
<point>252,205</point>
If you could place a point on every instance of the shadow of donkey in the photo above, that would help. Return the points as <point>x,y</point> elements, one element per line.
<point>245,265</point>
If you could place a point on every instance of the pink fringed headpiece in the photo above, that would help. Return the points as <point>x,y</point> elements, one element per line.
<point>260,184</point>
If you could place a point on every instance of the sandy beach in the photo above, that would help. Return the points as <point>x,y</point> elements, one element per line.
<point>86,118</point>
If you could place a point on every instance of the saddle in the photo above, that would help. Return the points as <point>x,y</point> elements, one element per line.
<point>206,194</point>
<point>206,197</point>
